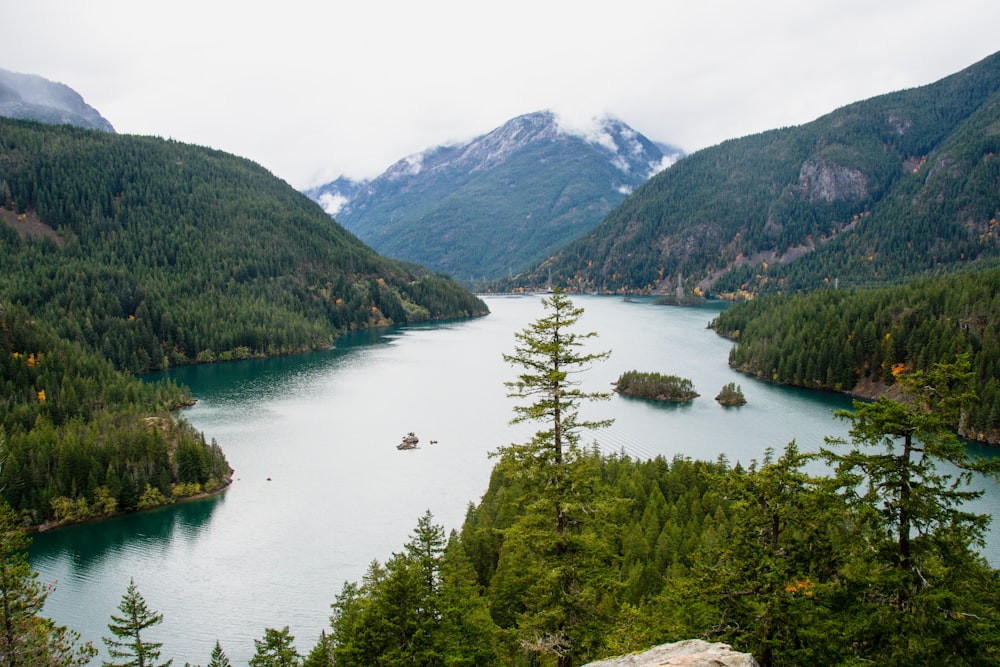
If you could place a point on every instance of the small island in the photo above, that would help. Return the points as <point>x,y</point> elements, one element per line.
<point>656,387</point>
<point>731,394</point>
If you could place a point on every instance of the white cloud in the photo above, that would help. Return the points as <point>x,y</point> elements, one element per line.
<point>331,203</point>
<point>309,89</point>
<point>592,129</point>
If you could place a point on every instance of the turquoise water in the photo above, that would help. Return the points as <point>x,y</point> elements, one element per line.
<point>320,489</point>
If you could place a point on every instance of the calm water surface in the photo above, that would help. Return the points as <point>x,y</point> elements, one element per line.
<point>320,489</point>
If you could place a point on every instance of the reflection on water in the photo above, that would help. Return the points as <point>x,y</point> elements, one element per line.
<point>87,545</point>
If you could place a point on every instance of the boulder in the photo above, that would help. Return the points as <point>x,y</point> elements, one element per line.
<point>688,653</point>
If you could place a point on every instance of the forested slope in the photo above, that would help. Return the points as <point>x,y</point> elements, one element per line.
<point>861,339</point>
<point>120,255</point>
<point>878,190</point>
<point>168,253</point>
<point>79,439</point>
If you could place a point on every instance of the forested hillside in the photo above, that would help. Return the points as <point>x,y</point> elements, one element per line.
<point>121,255</point>
<point>882,189</point>
<point>164,253</point>
<point>79,439</point>
<point>862,339</point>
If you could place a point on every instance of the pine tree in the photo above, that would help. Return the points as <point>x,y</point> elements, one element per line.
<point>548,352</point>
<point>921,538</point>
<point>277,649</point>
<point>219,658</point>
<point>321,654</point>
<point>552,569</point>
<point>129,647</point>
<point>26,638</point>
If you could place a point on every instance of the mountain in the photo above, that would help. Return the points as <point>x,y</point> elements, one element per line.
<point>30,97</point>
<point>152,252</point>
<point>482,209</point>
<point>882,189</point>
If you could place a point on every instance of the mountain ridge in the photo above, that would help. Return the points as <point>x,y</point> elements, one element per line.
<point>32,97</point>
<point>481,208</point>
<point>866,193</point>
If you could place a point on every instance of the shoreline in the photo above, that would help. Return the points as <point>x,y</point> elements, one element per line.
<point>55,525</point>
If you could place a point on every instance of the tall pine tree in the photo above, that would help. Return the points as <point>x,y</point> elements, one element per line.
<point>551,575</point>
<point>130,649</point>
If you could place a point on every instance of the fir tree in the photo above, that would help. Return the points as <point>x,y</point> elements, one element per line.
<point>219,658</point>
<point>551,570</point>
<point>129,649</point>
<point>276,649</point>
<point>26,638</point>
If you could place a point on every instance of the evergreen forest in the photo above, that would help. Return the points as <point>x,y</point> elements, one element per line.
<point>862,340</point>
<point>573,555</point>
<point>121,255</point>
<point>153,253</point>
<point>81,440</point>
<point>896,186</point>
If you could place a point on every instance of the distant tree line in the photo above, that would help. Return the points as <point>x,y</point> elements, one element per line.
<point>837,339</point>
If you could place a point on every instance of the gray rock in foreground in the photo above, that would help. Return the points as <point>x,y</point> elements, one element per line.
<point>688,653</point>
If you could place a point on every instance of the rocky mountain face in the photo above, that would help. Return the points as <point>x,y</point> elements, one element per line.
<point>31,97</point>
<point>492,206</point>
<point>879,190</point>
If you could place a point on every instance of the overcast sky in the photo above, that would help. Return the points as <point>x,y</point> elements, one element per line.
<point>313,90</point>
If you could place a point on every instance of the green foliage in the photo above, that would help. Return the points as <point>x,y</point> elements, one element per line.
<point>843,339</point>
<point>550,577</point>
<point>82,440</point>
<point>276,649</point>
<point>165,253</point>
<point>322,654</point>
<point>422,608</point>
<point>548,354</point>
<point>218,657</point>
<point>794,568</point>
<point>731,394</point>
<point>894,186</point>
<point>129,649</point>
<point>902,481</point>
<point>656,386</point>
<point>28,639</point>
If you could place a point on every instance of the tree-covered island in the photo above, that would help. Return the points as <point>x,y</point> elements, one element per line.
<point>656,387</point>
<point>731,395</point>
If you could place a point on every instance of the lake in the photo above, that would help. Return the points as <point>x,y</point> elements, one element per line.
<point>320,489</point>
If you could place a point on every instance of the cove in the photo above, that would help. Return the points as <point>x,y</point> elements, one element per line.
<point>320,489</point>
